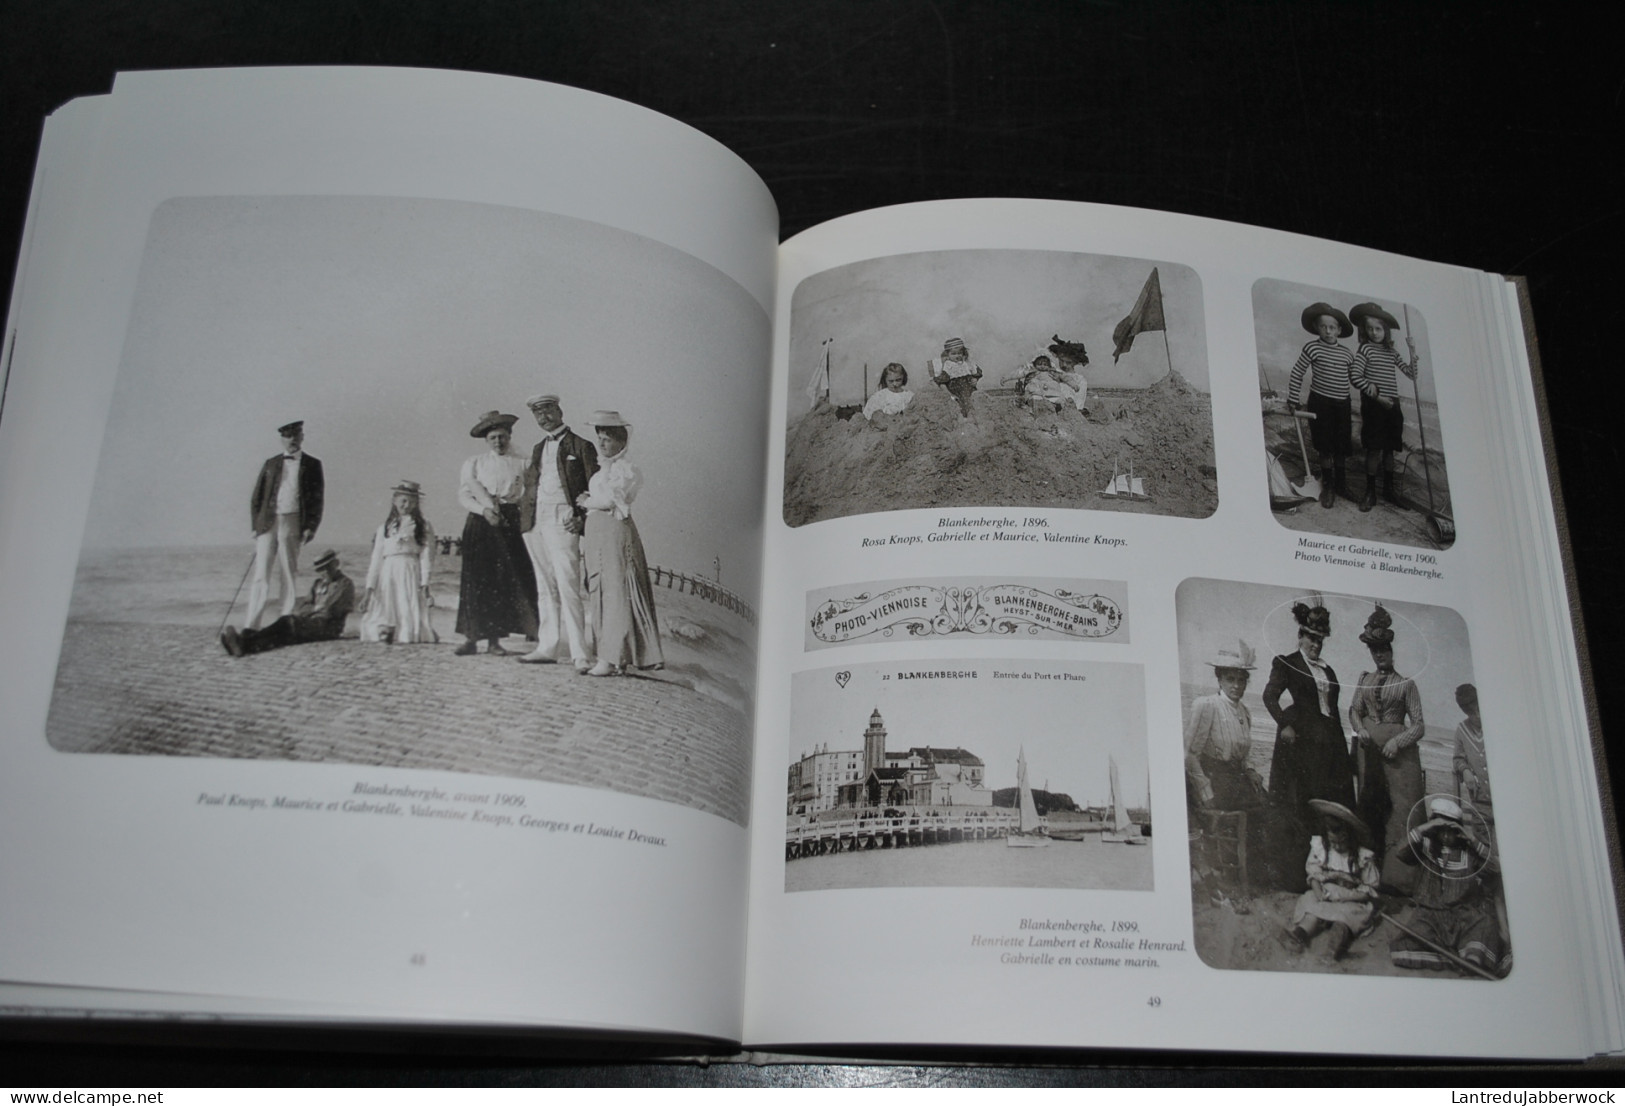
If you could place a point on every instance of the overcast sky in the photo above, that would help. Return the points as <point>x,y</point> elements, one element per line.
<point>1005,304</point>
<point>1068,727</point>
<point>1278,322</point>
<point>1430,643</point>
<point>389,326</point>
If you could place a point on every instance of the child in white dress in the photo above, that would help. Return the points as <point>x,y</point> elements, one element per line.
<point>397,598</point>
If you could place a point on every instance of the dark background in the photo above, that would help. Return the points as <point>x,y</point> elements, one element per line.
<point>1485,135</point>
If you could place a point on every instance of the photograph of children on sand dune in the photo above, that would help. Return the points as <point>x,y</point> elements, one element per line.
<point>971,378</point>
<point>1337,786</point>
<point>427,485</point>
<point>1352,431</point>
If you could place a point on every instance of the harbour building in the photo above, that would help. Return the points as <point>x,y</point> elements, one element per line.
<point>924,775</point>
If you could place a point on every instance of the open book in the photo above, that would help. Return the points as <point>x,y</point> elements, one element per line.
<point>462,569</point>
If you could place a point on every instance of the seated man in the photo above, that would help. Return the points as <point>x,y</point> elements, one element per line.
<point>319,617</point>
<point>1455,910</point>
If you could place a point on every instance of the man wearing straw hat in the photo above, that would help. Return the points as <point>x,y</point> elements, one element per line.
<point>318,617</point>
<point>560,466</point>
<point>285,510</point>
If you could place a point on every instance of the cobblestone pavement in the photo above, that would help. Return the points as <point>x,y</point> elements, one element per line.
<point>164,689</point>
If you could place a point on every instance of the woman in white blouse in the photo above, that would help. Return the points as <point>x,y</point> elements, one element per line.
<point>620,602</point>
<point>397,599</point>
<point>497,592</point>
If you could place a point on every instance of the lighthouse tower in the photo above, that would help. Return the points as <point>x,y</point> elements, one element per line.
<point>874,744</point>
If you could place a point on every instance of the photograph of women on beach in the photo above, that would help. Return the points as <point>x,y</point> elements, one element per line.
<point>1352,431</point>
<point>982,378</point>
<point>968,773</point>
<point>527,548</point>
<point>1009,610</point>
<point>1337,786</point>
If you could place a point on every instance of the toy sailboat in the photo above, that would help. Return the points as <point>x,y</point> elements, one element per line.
<point>1125,487</point>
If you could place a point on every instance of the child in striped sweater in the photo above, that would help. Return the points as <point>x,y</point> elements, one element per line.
<point>1375,373</point>
<point>1325,362</point>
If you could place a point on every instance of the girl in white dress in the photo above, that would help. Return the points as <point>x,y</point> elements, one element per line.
<point>397,599</point>
<point>891,399</point>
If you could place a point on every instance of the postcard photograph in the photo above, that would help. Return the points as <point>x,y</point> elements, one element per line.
<point>1337,786</point>
<point>427,485</point>
<point>1353,441</point>
<point>968,773</point>
<point>972,378</point>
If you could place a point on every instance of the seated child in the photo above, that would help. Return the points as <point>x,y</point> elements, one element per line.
<point>956,372</point>
<point>891,399</point>
<point>1343,878</point>
<point>1454,896</point>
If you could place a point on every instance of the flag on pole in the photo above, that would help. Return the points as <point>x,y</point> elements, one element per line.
<point>1147,315</point>
<point>818,386</point>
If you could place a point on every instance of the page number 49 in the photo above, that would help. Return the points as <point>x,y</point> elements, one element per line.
<point>1154,1000</point>
<point>417,960</point>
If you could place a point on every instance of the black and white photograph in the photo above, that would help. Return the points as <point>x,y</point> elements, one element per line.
<point>427,485</point>
<point>1352,436</point>
<point>970,378</point>
<point>1337,786</point>
<point>968,773</point>
<point>951,610</point>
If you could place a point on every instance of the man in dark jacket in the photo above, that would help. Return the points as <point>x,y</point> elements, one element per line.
<point>285,510</point>
<point>318,617</point>
<point>560,466</point>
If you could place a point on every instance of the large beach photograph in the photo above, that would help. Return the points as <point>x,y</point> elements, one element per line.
<point>1337,786</point>
<point>983,378</point>
<point>425,484</point>
<point>1352,436</point>
<point>968,773</point>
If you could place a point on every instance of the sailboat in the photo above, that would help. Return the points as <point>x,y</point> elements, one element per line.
<point>1123,831</point>
<point>1125,487</point>
<point>1029,832</point>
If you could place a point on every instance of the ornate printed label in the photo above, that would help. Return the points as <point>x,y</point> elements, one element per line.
<point>925,611</point>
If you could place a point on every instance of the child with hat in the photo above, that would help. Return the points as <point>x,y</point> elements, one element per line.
<point>1455,894</point>
<point>1375,373</point>
<point>1342,875</point>
<point>1325,362</point>
<point>956,372</point>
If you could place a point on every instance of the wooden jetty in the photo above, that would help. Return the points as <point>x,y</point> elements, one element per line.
<point>897,831</point>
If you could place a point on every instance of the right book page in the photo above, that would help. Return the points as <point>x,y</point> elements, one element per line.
<point>1164,647</point>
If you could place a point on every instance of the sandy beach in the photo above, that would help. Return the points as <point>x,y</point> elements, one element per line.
<point>142,672</point>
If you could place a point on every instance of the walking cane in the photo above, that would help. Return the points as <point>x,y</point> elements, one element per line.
<point>1458,961</point>
<point>1441,527</point>
<point>233,604</point>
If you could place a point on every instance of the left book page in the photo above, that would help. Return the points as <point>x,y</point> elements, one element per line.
<point>333,396</point>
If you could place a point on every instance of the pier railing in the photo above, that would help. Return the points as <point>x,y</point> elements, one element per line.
<point>896,832</point>
<point>709,590</point>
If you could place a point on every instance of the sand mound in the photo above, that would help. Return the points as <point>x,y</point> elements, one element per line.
<point>1004,454</point>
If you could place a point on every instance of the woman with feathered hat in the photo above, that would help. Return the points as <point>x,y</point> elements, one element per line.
<point>1311,759</point>
<point>1386,716</point>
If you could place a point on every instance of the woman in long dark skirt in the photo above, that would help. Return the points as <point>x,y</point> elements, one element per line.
<point>497,595</point>
<point>1311,758</point>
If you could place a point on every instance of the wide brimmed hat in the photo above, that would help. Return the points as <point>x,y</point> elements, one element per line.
<point>490,421</point>
<point>1362,311</point>
<point>325,558</point>
<point>1320,307</point>
<point>1312,620</point>
<point>608,418</point>
<point>293,427</point>
<point>410,487</point>
<point>1074,351</point>
<point>953,345</point>
<point>1236,654</point>
<point>1378,632</point>
<point>542,401</point>
<point>1328,809</point>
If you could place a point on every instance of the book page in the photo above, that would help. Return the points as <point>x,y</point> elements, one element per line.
<point>382,383</point>
<point>1143,649</point>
